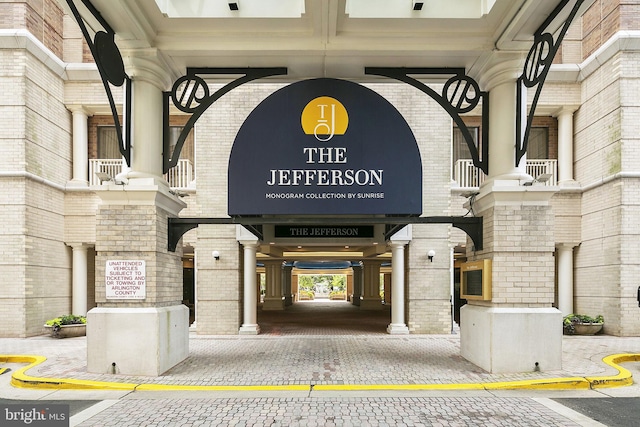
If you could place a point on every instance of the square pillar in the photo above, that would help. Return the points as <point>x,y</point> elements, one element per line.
<point>273,298</point>
<point>371,286</point>
<point>518,327</point>
<point>140,326</point>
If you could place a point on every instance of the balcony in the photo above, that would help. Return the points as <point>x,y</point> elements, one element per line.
<point>467,175</point>
<point>179,177</point>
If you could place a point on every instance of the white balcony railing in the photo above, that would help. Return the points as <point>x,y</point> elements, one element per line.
<point>180,176</point>
<point>467,175</point>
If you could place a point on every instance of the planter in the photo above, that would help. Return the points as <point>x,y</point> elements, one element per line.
<point>66,331</point>
<point>587,328</point>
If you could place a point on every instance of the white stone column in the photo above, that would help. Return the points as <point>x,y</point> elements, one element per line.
<point>565,278</point>
<point>502,86</point>
<point>250,310</point>
<point>397,325</point>
<point>565,147</point>
<point>80,148</point>
<point>148,82</point>
<point>79,279</point>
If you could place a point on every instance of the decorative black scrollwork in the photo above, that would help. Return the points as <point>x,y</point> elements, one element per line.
<point>462,92</point>
<point>460,95</point>
<point>190,94</point>
<point>111,68</point>
<point>536,68</point>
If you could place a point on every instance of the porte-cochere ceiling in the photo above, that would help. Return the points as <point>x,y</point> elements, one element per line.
<point>322,38</point>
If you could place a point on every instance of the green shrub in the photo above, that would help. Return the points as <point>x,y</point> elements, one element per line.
<point>70,319</point>
<point>570,320</point>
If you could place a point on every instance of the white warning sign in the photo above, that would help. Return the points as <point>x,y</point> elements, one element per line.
<point>125,279</point>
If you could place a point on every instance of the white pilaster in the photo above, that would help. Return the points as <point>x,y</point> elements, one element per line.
<point>79,279</point>
<point>397,325</point>
<point>565,278</point>
<point>80,149</point>
<point>250,315</point>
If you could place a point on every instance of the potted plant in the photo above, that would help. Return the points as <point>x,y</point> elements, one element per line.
<point>67,326</point>
<point>581,324</point>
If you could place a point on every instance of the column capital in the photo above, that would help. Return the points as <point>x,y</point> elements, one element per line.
<point>80,109</point>
<point>398,243</point>
<point>148,65</point>
<point>501,70</point>
<point>78,245</point>
<point>564,110</point>
<point>567,245</point>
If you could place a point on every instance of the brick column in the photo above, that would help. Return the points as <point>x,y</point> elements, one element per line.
<point>517,330</point>
<point>141,327</point>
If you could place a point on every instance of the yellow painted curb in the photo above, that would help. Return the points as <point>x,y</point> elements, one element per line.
<point>623,378</point>
<point>541,384</point>
<point>21,380</point>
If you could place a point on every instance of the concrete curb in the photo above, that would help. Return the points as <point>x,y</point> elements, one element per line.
<point>624,378</point>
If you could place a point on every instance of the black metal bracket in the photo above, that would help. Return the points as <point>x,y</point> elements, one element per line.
<point>470,225</point>
<point>111,68</point>
<point>536,69</point>
<point>190,94</point>
<point>460,94</point>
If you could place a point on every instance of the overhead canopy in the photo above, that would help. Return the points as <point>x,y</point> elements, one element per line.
<point>323,38</point>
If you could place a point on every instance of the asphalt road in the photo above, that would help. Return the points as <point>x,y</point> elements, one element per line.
<point>611,411</point>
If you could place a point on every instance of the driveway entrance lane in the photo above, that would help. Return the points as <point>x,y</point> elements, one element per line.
<point>325,412</point>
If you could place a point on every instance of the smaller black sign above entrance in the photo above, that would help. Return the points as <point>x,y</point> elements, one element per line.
<point>336,231</point>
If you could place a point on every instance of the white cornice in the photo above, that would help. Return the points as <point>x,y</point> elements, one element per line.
<point>23,39</point>
<point>622,41</point>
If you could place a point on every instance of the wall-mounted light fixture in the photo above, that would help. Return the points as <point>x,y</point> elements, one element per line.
<point>417,5</point>
<point>234,5</point>
<point>431,254</point>
<point>216,255</point>
<point>539,179</point>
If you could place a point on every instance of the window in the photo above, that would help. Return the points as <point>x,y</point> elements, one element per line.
<point>460,147</point>
<point>538,146</point>
<point>108,143</point>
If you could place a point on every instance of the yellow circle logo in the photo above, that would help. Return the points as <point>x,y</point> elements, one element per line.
<point>324,117</point>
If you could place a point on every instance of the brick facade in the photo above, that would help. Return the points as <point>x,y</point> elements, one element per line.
<point>41,217</point>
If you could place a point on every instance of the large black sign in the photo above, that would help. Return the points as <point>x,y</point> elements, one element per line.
<point>325,146</point>
<point>339,231</point>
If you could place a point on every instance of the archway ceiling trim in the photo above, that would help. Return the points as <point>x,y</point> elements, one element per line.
<point>326,41</point>
<point>470,225</point>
